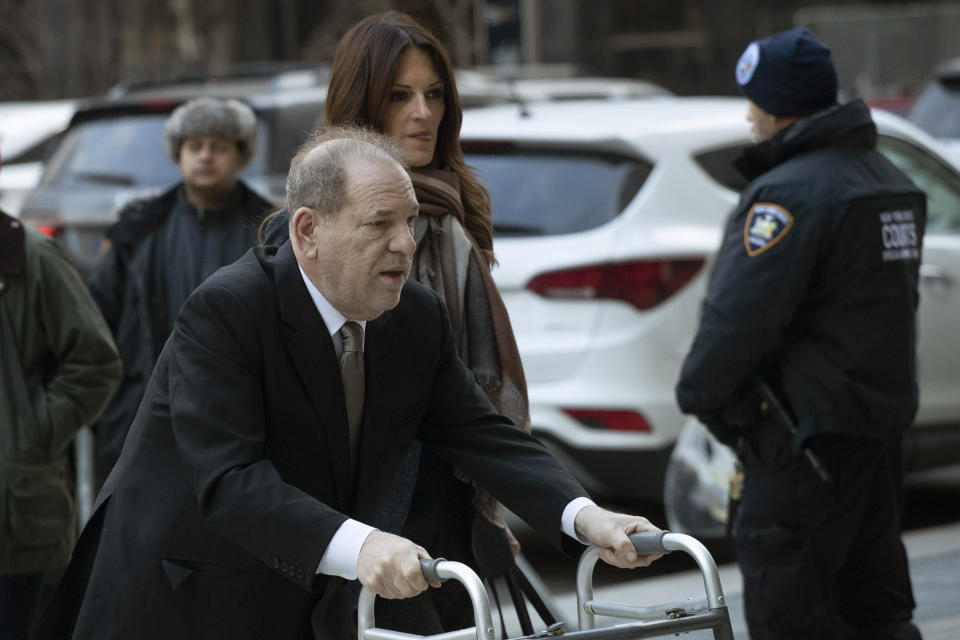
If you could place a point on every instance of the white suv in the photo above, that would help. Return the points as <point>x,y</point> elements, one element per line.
<point>607,216</point>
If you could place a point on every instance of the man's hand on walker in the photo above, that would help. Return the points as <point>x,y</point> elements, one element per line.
<point>609,531</point>
<point>389,566</point>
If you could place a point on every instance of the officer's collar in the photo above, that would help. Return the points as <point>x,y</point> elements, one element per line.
<point>846,125</point>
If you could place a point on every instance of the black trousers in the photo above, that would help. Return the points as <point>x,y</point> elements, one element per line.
<point>19,600</point>
<point>823,560</point>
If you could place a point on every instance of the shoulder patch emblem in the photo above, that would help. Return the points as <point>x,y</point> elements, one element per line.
<point>766,225</point>
<point>748,64</point>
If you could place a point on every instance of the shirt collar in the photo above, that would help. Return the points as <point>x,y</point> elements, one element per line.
<point>331,317</point>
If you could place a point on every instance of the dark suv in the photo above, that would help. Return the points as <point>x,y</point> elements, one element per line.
<point>113,152</point>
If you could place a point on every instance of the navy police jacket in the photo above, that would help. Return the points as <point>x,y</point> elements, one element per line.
<point>815,284</point>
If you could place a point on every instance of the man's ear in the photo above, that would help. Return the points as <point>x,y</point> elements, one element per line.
<point>303,231</point>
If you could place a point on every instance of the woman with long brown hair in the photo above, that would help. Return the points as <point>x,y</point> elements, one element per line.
<point>391,74</point>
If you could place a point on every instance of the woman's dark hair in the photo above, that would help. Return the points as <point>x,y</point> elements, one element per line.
<point>361,81</point>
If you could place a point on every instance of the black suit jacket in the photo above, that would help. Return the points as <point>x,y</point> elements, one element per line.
<point>236,472</point>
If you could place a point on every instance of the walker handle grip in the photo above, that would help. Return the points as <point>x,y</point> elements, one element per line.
<point>649,543</point>
<point>429,568</point>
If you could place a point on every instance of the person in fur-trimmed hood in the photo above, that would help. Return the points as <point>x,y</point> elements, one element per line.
<point>161,248</point>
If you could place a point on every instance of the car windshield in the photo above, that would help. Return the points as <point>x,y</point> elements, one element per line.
<point>123,151</point>
<point>937,108</point>
<point>539,193</point>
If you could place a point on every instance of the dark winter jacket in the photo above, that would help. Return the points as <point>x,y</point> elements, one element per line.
<point>815,285</point>
<point>130,287</point>
<point>58,368</point>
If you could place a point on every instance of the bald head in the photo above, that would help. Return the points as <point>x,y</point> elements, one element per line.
<point>318,172</point>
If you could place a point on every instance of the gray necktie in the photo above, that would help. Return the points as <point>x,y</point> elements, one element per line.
<point>351,369</point>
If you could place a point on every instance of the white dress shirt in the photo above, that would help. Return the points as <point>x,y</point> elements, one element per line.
<point>340,558</point>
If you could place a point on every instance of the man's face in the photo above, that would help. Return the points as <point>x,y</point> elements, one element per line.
<point>765,125</point>
<point>364,252</point>
<point>210,163</point>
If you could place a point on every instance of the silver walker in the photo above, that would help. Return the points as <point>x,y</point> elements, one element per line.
<point>708,611</point>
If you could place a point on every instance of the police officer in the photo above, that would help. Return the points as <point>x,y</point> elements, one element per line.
<point>814,295</point>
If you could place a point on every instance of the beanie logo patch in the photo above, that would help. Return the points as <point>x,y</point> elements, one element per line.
<point>748,64</point>
<point>766,225</point>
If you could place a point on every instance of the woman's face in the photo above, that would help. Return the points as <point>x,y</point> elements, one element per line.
<point>415,107</point>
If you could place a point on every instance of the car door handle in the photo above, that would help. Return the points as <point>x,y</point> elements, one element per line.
<point>935,274</point>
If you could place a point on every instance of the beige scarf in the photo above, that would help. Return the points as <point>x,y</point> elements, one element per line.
<point>449,262</point>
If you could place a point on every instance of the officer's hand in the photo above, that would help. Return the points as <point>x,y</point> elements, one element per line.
<point>389,566</point>
<point>609,531</point>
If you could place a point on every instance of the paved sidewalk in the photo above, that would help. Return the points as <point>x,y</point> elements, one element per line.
<point>934,568</point>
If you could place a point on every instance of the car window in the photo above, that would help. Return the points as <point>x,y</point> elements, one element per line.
<point>718,164</point>
<point>123,151</point>
<point>937,108</point>
<point>539,193</point>
<point>937,180</point>
<point>290,125</point>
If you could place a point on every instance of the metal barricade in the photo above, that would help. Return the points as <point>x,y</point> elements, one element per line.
<point>86,489</point>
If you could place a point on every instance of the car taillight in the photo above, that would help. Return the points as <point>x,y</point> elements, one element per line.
<point>610,419</point>
<point>52,230</point>
<point>642,283</point>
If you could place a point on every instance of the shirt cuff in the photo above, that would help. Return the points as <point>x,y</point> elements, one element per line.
<point>570,515</point>
<point>340,558</point>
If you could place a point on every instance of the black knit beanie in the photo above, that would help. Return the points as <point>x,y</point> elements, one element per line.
<point>788,74</point>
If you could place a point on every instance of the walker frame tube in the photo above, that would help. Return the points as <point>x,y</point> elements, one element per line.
<point>434,570</point>
<point>715,616</point>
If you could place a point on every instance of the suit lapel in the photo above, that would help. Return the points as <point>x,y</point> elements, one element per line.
<point>312,353</point>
